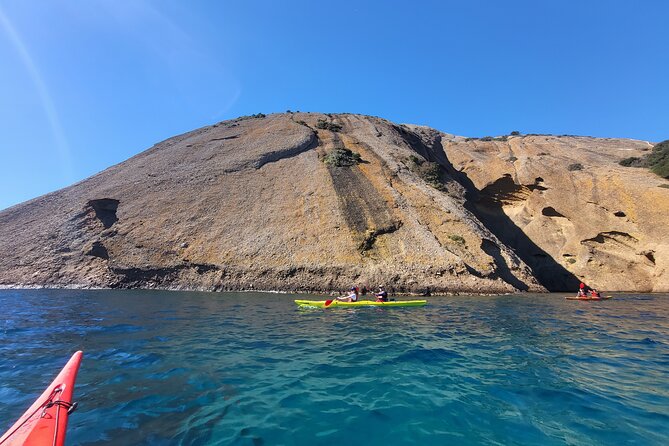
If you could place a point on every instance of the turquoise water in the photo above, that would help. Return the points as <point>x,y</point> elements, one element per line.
<point>168,368</point>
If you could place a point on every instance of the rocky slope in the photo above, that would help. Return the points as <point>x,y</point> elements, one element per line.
<point>259,203</point>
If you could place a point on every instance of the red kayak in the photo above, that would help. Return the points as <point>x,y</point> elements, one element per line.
<point>45,422</point>
<point>588,298</point>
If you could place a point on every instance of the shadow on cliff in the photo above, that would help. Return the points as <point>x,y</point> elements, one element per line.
<point>492,249</point>
<point>486,207</point>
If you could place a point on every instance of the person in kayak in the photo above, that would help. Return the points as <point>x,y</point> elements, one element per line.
<point>581,291</point>
<point>382,295</point>
<point>594,293</point>
<point>352,297</point>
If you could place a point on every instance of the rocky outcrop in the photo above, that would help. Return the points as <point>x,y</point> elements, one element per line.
<point>569,209</point>
<point>257,203</point>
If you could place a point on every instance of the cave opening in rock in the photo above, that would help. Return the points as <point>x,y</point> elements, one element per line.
<point>98,250</point>
<point>551,212</point>
<point>105,210</point>
<point>650,255</point>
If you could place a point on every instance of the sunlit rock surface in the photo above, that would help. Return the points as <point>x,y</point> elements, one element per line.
<point>252,204</point>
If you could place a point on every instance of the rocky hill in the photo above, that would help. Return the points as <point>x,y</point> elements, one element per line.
<point>314,202</point>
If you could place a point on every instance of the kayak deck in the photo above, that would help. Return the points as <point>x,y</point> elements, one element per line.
<point>45,422</point>
<point>360,303</point>
<point>588,298</point>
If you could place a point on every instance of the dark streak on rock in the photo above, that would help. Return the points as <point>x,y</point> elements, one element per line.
<point>368,242</point>
<point>273,157</point>
<point>362,207</point>
<point>616,236</point>
<point>493,250</point>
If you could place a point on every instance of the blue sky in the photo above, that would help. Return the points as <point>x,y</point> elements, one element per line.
<point>86,84</point>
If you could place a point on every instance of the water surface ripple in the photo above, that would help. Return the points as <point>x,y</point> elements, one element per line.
<point>177,368</point>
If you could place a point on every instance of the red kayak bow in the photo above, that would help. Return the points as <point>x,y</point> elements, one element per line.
<point>45,422</point>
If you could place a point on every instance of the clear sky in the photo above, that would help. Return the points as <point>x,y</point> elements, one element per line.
<point>86,84</point>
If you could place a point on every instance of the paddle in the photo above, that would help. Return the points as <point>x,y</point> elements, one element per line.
<point>329,301</point>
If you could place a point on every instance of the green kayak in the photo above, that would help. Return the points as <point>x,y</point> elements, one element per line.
<point>360,303</point>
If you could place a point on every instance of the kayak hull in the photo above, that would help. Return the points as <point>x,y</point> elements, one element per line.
<point>360,303</point>
<point>45,422</point>
<point>588,298</point>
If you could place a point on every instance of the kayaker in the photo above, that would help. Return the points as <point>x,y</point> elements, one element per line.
<point>352,297</point>
<point>594,293</point>
<point>382,295</point>
<point>581,291</point>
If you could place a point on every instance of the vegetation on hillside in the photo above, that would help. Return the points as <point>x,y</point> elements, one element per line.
<point>503,138</point>
<point>324,124</point>
<point>489,138</point>
<point>342,157</point>
<point>430,172</point>
<point>495,138</point>
<point>256,116</point>
<point>633,161</point>
<point>657,160</point>
<point>457,238</point>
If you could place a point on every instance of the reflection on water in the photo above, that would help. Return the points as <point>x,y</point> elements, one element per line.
<point>206,368</point>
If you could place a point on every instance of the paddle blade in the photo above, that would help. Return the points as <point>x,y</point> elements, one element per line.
<point>328,302</point>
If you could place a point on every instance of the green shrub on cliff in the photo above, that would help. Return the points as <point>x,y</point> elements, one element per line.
<point>490,138</point>
<point>415,160</point>
<point>324,124</point>
<point>633,161</point>
<point>657,160</point>
<point>256,116</point>
<point>342,157</point>
<point>457,238</point>
<point>430,172</point>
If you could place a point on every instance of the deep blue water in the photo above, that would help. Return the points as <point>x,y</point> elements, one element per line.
<point>164,368</point>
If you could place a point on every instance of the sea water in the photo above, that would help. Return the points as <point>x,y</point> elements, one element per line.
<point>180,368</point>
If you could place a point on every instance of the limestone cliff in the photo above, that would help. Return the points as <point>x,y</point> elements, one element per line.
<point>259,203</point>
<point>570,208</point>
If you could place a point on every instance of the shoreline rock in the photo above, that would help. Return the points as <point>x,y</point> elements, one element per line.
<point>267,202</point>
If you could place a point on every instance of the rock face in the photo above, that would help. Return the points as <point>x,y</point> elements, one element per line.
<point>256,203</point>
